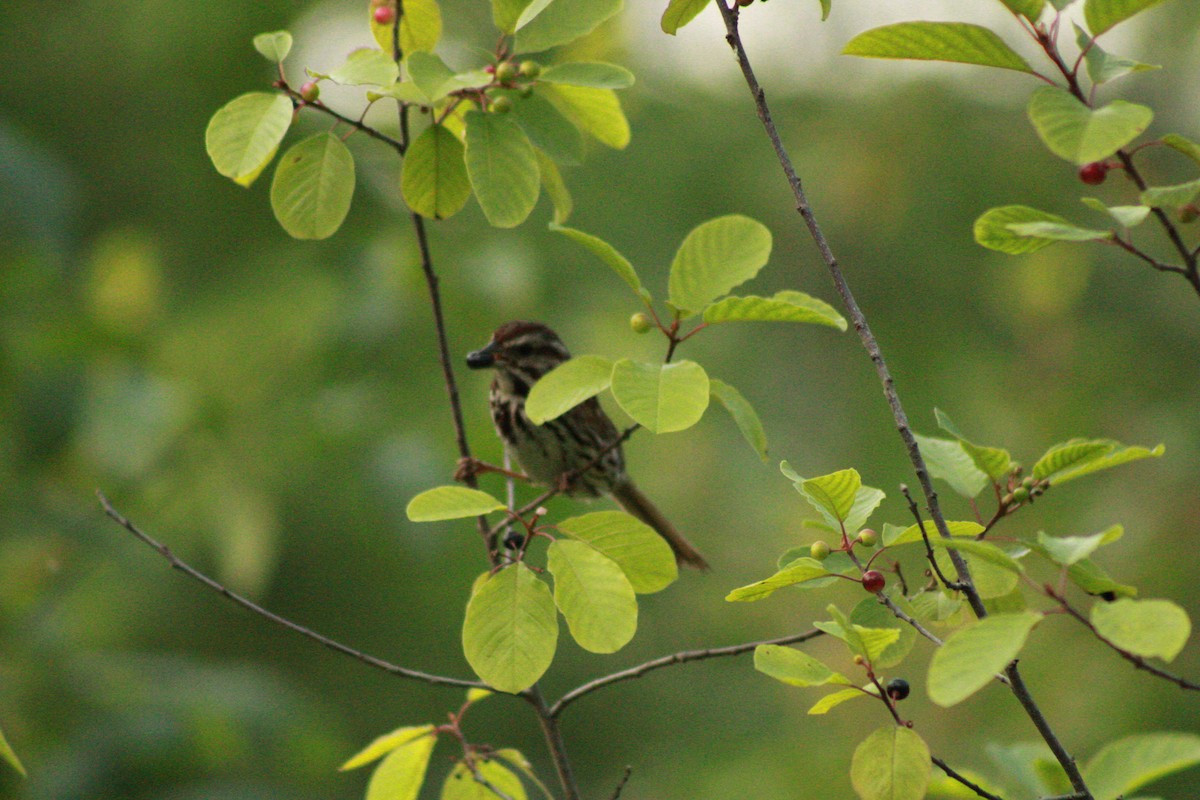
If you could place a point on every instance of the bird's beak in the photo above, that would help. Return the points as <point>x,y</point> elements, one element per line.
<point>482,358</point>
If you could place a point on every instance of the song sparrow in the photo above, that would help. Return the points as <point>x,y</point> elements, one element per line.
<point>522,352</point>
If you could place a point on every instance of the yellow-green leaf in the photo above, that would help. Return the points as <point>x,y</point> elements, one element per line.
<point>715,257</point>
<point>1150,628</point>
<point>594,111</point>
<point>386,744</point>
<point>594,596</point>
<point>313,187</point>
<point>244,134</point>
<point>959,42</point>
<point>451,502</point>
<point>400,775</point>
<point>434,179</point>
<point>891,764</point>
<point>743,415</point>
<point>662,397</point>
<point>511,629</point>
<point>502,167</point>
<point>643,555</point>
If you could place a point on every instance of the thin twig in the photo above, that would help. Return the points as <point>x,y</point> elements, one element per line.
<point>667,661</point>
<point>621,784</point>
<point>397,145</point>
<point>967,782</point>
<point>554,742</point>
<point>916,512</point>
<point>485,783</point>
<point>191,572</point>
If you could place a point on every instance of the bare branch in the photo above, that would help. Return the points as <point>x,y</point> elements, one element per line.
<point>621,784</point>
<point>974,787</point>
<point>554,741</point>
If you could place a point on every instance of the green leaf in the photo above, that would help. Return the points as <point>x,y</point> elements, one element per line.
<point>826,7</point>
<point>502,167</point>
<point>564,21</point>
<point>1080,134</point>
<point>366,67</point>
<point>799,571</point>
<point>832,495</point>
<point>866,500</point>
<point>420,28</point>
<point>313,187</point>
<point>462,784</point>
<point>1079,457</point>
<point>1090,577</point>
<point>1103,14</point>
<point>680,13</point>
<point>547,128</point>
<point>10,755</point>
<point>434,179</point>
<point>511,629</point>
<point>974,655</point>
<point>1150,628</point>
<point>992,579</point>
<point>833,699</point>
<point>1029,9</point>
<point>451,502</point>
<point>474,695</point>
<point>1125,216</point>
<point>518,760</point>
<point>273,46</point>
<point>505,14</point>
<point>1068,550</point>
<point>1171,196</point>
<point>566,386</point>
<point>1128,764</point>
<point>993,229</point>
<point>662,397</point>
<point>913,533</point>
<point>876,641</point>
<point>1103,67</point>
<point>1057,231</point>
<point>891,764</point>
<point>794,667</point>
<point>531,11</point>
<point>715,257</point>
<point>556,189</point>
<point>594,595</point>
<point>785,306</point>
<point>870,613</point>
<point>947,460</point>
<point>609,255</point>
<point>983,551</point>
<point>400,775</point>
<point>643,555</point>
<point>1183,145</point>
<point>431,75</point>
<point>597,74</point>
<point>993,461</point>
<point>959,42</point>
<point>594,111</point>
<point>244,134</point>
<point>386,744</point>
<point>743,415</point>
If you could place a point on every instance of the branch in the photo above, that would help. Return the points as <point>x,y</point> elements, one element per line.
<point>621,784</point>
<point>191,572</point>
<point>974,787</point>
<point>916,512</point>
<point>666,661</point>
<point>554,741</point>
<point>397,145</point>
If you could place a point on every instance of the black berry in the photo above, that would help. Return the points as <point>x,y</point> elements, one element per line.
<point>897,688</point>
<point>514,540</point>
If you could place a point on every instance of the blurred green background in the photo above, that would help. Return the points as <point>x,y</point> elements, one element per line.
<point>267,407</point>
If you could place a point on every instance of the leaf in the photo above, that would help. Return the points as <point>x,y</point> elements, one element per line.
<point>993,229</point>
<point>461,783</point>
<point>947,460</point>
<point>1150,628</point>
<point>367,66</point>
<point>547,128</point>
<point>8,754</point>
<point>594,111</point>
<point>505,14</point>
<point>871,614</point>
<point>564,21</point>
<point>556,189</point>
<point>386,744</point>
<point>1128,764</point>
<point>420,28</point>
<point>794,667</point>
<point>431,75</point>
<point>1078,457</point>
<point>1090,577</point>
<point>993,461</point>
<point>566,386</point>
<point>511,629</point>
<point>597,74</point>
<point>244,134</point>
<point>451,502</point>
<point>313,187</point>
<point>594,595</point>
<point>662,397</point>
<point>643,555</point>
<point>743,415</point>
<point>913,533</point>
<point>826,6</point>
<point>609,255</point>
<point>531,11</point>
<point>974,655</point>
<point>1103,14</point>
<point>715,257</point>
<point>680,13</point>
<point>514,757</point>
<point>502,167</point>
<point>1068,550</point>
<point>1029,9</point>
<point>866,500</point>
<point>1183,145</point>
<point>474,695</point>
<point>891,764</point>
<point>800,570</point>
<point>1125,216</point>
<point>876,641</point>
<point>1080,134</point>
<point>1057,231</point>
<point>983,551</point>
<point>832,495</point>
<point>434,178</point>
<point>1171,196</point>
<point>785,306</point>
<point>273,46</point>
<point>958,42</point>
<point>1103,67</point>
<point>833,699</point>
<point>400,775</point>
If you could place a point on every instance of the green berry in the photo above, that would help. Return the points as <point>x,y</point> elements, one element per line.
<point>868,537</point>
<point>507,72</point>
<point>640,322</point>
<point>502,104</point>
<point>1028,482</point>
<point>310,91</point>
<point>530,69</point>
<point>820,550</point>
<point>1020,494</point>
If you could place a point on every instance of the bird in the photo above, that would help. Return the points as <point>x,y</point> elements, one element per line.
<point>580,450</point>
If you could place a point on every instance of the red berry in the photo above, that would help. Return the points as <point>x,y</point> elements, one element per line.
<point>1094,173</point>
<point>873,581</point>
<point>384,15</point>
<point>310,91</point>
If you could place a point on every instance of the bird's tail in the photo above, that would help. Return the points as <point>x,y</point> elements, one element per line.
<point>630,498</point>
